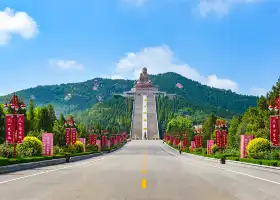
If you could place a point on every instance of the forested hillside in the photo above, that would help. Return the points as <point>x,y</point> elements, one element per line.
<point>115,112</point>
<point>72,97</point>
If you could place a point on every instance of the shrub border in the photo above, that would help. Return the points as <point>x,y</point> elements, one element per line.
<point>267,167</point>
<point>54,161</point>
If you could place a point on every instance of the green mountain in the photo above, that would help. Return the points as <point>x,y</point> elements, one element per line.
<point>73,97</point>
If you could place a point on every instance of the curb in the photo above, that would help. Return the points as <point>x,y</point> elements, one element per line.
<point>106,152</point>
<point>244,164</point>
<point>83,157</point>
<point>31,165</point>
<point>45,163</point>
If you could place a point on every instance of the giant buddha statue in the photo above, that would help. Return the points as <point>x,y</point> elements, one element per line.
<point>144,76</point>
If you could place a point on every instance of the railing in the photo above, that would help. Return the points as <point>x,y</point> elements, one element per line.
<point>156,115</point>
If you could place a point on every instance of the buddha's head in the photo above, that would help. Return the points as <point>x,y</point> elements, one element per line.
<point>144,70</point>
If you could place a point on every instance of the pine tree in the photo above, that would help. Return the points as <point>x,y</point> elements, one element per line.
<point>61,119</point>
<point>233,136</point>
<point>208,128</point>
<point>51,114</point>
<point>30,112</point>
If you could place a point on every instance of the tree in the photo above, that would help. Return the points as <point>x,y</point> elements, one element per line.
<point>61,119</point>
<point>59,133</point>
<point>30,111</point>
<point>179,126</point>
<point>51,114</point>
<point>30,119</point>
<point>2,124</point>
<point>44,121</point>
<point>233,136</point>
<point>208,128</point>
<point>81,129</point>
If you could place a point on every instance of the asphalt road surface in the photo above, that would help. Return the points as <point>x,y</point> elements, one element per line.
<point>141,170</point>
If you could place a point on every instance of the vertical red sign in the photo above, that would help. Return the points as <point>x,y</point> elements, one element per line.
<point>9,128</point>
<point>193,144</point>
<point>218,138</point>
<point>20,128</point>
<point>199,140</point>
<point>274,130</point>
<point>185,142</point>
<point>210,143</point>
<point>94,139</point>
<point>90,137</point>
<point>68,136</point>
<point>245,139</point>
<point>74,135</point>
<point>224,138</point>
<point>103,141</point>
<point>47,140</point>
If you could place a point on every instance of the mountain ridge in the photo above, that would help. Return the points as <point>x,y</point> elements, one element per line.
<point>71,97</point>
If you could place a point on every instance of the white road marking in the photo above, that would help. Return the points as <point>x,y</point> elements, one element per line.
<point>229,170</point>
<point>53,170</point>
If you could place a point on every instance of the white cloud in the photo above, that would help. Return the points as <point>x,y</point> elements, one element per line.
<point>160,60</point>
<point>66,64</point>
<point>258,91</point>
<point>20,23</point>
<point>221,7</point>
<point>135,2</point>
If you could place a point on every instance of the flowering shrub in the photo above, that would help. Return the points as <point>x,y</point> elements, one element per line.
<point>58,150</point>
<point>258,148</point>
<point>6,150</point>
<point>214,148</point>
<point>79,146</point>
<point>31,146</point>
<point>92,147</point>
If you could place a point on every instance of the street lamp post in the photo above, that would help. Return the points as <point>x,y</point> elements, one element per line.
<point>15,105</point>
<point>276,109</point>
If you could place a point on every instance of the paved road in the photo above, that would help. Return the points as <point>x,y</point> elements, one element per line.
<point>142,170</point>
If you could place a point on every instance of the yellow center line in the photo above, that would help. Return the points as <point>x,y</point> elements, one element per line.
<point>144,183</point>
<point>144,166</point>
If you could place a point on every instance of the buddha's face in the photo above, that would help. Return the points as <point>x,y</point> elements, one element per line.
<point>144,70</point>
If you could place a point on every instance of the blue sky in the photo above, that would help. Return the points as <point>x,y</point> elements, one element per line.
<point>231,44</point>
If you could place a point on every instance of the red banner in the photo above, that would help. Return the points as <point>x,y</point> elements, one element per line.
<point>68,136</point>
<point>244,141</point>
<point>9,128</point>
<point>94,139</point>
<point>274,130</point>
<point>90,138</point>
<point>218,138</point>
<point>224,138</point>
<point>198,140</point>
<point>74,135</point>
<point>185,142</point>
<point>210,143</point>
<point>20,128</point>
<point>103,141</point>
<point>47,140</point>
<point>193,144</point>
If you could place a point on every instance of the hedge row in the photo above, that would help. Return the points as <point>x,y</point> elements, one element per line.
<point>274,163</point>
<point>11,161</point>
